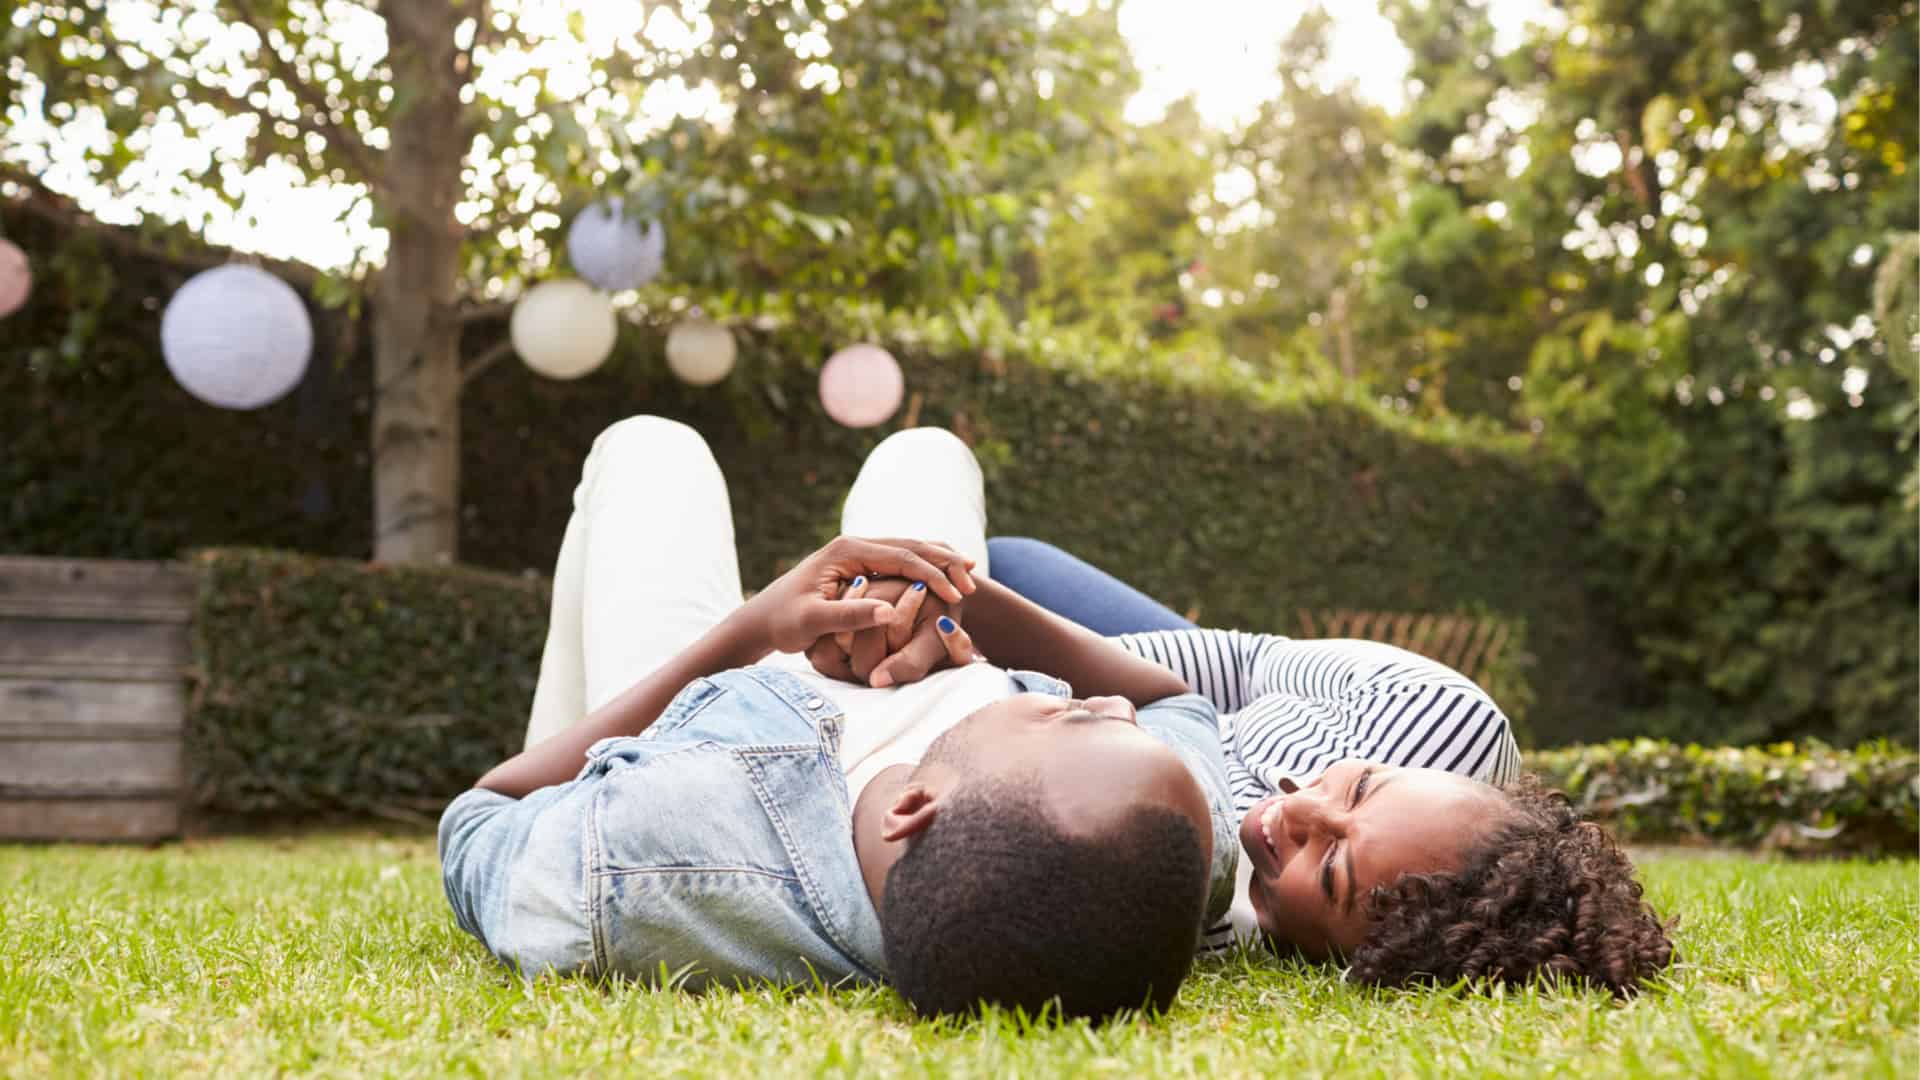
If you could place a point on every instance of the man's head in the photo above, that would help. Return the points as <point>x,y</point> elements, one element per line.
<point>1419,874</point>
<point>1055,853</point>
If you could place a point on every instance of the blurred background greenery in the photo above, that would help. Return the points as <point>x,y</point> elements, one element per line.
<point>1602,325</point>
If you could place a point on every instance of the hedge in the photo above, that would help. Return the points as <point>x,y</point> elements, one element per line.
<point>1793,797</point>
<point>1225,490</point>
<point>328,687</point>
<point>333,687</point>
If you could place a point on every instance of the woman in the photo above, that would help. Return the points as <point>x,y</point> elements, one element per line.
<point>1383,819</point>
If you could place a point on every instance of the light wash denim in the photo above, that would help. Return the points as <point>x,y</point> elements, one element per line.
<point>717,847</point>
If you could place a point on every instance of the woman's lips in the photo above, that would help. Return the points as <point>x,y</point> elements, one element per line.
<point>1257,835</point>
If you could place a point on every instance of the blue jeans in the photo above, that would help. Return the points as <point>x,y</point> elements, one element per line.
<point>1075,589</point>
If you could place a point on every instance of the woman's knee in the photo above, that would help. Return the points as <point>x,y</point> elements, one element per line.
<point>1018,555</point>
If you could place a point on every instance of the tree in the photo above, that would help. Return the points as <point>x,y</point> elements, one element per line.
<point>1308,185</point>
<point>1661,221</point>
<point>835,148</point>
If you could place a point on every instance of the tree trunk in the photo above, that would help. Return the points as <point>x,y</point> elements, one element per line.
<point>416,327</point>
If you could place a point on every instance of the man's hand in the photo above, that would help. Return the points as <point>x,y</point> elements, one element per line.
<point>805,603</point>
<point>923,635</point>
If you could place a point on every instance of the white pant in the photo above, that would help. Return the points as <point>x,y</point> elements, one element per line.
<point>648,563</point>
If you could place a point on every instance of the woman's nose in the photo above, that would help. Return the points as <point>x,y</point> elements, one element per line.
<point>1307,814</point>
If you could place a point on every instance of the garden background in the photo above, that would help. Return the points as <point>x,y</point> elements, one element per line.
<point>1596,318</point>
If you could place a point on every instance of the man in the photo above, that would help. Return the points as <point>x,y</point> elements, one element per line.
<point>695,799</point>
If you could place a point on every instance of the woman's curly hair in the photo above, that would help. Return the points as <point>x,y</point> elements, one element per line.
<point>1543,893</point>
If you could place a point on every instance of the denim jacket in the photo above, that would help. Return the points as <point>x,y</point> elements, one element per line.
<point>717,846</point>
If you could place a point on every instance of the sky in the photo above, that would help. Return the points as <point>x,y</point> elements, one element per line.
<point>1223,52</point>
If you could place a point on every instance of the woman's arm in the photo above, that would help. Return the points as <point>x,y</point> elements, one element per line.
<point>1015,632</point>
<point>787,615</point>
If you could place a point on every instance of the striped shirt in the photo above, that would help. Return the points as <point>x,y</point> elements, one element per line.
<point>1292,708</point>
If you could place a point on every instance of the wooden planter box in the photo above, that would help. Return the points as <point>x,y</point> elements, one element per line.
<point>93,655</point>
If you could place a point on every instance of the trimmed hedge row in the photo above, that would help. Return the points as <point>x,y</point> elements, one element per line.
<point>1801,798</point>
<point>1217,487</point>
<point>329,687</point>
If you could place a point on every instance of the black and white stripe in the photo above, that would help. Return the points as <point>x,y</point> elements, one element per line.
<point>1291,708</point>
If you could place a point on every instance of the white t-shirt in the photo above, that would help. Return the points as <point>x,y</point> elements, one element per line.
<point>895,725</point>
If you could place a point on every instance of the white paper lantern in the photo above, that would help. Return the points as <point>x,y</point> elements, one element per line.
<point>861,385</point>
<point>16,279</point>
<point>563,329</point>
<point>700,351</point>
<point>613,251</point>
<point>236,337</point>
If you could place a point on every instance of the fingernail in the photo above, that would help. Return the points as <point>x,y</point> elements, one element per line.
<point>882,680</point>
<point>946,625</point>
<point>919,586</point>
<point>859,581</point>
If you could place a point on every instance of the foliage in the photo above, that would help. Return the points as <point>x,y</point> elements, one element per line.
<point>325,686</point>
<point>862,147</point>
<point>336,953</point>
<point>840,147</point>
<point>1803,798</point>
<point>1659,222</point>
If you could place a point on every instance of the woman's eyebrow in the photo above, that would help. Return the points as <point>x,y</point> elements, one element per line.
<point>1372,787</point>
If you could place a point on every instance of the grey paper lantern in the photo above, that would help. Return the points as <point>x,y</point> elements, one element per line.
<point>563,329</point>
<point>700,351</point>
<point>236,337</point>
<point>612,251</point>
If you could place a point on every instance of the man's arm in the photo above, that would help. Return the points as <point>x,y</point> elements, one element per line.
<point>1015,632</point>
<point>787,615</point>
<point>736,642</point>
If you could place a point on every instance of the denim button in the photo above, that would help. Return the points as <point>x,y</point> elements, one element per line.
<point>816,703</point>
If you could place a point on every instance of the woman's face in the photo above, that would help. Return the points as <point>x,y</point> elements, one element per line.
<point>1318,851</point>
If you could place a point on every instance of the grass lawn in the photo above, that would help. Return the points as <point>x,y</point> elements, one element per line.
<point>335,954</point>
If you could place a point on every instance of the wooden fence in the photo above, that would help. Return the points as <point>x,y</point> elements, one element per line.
<point>93,658</point>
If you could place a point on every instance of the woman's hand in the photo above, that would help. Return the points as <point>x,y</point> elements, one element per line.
<point>923,635</point>
<point>805,603</point>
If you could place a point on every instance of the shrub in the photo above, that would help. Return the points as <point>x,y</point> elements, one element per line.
<point>1802,798</point>
<point>1217,487</point>
<point>326,686</point>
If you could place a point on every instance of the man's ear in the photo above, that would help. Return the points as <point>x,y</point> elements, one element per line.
<point>913,809</point>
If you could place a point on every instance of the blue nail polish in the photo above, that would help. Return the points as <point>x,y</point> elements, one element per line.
<point>946,625</point>
<point>859,581</point>
<point>919,586</point>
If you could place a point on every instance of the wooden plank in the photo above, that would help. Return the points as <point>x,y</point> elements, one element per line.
<point>51,767</point>
<point>89,819</point>
<point>82,642</point>
<point>84,708</point>
<point>112,589</point>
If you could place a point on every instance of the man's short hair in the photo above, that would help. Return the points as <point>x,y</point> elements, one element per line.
<point>994,904</point>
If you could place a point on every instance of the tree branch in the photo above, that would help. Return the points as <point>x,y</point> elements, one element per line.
<point>49,205</point>
<point>349,141</point>
<point>474,313</point>
<point>485,360</point>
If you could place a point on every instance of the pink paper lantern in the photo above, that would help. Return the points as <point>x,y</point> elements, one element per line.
<point>16,279</point>
<point>861,386</point>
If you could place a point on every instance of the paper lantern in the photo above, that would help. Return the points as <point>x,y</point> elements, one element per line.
<point>236,337</point>
<point>861,385</point>
<point>700,351</point>
<point>563,329</point>
<point>613,251</point>
<point>16,279</point>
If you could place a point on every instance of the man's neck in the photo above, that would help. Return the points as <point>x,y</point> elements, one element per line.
<point>876,855</point>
